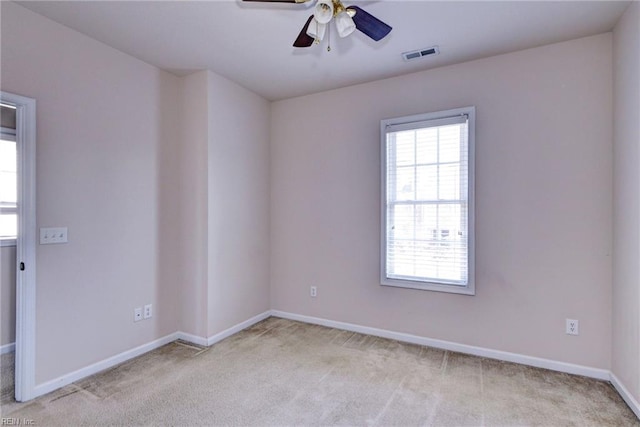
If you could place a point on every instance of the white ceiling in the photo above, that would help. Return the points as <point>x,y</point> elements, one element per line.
<point>251,43</point>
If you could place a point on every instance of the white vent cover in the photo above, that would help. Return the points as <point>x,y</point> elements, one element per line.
<point>421,53</point>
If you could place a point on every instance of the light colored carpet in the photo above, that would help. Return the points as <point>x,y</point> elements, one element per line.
<point>280,372</point>
<point>6,380</point>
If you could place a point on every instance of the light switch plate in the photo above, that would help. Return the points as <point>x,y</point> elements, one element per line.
<point>53,235</point>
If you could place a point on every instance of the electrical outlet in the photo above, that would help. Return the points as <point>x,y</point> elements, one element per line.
<point>313,291</point>
<point>148,311</point>
<point>573,327</point>
<point>137,314</point>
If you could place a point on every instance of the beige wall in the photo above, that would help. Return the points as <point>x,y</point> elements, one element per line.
<point>7,295</point>
<point>626,219</point>
<point>543,194</point>
<point>192,198</point>
<point>106,130</point>
<point>151,173</point>
<point>238,249</point>
<point>225,194</point>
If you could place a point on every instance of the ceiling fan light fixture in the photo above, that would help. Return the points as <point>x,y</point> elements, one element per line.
<point>316,29</point>
<point>348,19</point>
<point>323,11</point>
<point>344,24</point>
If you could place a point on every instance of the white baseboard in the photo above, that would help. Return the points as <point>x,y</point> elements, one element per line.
<point>194,339</point>
<point>67,379</point>
<point>8,348</point>
<point>206,342</point>
<point>570,368</point>
<point>626,395</point>
<point>237,328</point>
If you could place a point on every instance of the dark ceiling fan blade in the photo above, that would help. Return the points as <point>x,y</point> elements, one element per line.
<point>369,24</point>
<point>304,39</point>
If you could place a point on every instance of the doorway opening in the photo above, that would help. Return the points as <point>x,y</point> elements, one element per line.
<point>18,226</point>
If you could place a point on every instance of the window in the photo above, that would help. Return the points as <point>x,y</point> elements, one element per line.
<point>8,178</point>
<point>427,201</point>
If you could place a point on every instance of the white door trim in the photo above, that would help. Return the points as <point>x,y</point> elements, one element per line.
<point>25,245</point>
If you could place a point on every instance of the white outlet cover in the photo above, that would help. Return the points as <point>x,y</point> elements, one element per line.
<point>572,327</point>
<point>148,311</point>
<point>137,314</point>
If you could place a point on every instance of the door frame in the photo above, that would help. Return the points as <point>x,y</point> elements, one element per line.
<point>25,361</point>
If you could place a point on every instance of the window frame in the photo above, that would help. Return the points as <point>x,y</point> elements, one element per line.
<point>443,286</point>
<point>9,135</point>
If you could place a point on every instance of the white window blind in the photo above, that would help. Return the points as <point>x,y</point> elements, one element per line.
<point>427,201</point>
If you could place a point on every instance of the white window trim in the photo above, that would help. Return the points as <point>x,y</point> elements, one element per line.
<point>398,123</point>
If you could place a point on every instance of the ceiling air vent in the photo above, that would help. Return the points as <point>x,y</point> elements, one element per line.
<point>420,53</point>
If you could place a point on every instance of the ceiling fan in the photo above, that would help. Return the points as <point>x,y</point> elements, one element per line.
<point>347,20</point>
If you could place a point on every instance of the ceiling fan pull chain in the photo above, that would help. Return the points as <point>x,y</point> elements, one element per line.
<point>329,37</point>
<point>317,40</point>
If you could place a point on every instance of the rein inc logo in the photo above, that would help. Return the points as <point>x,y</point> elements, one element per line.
<point>17,422</point>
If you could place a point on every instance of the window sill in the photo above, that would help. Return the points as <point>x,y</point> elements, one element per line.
<point>425,286</point>
<point>7,242</point>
